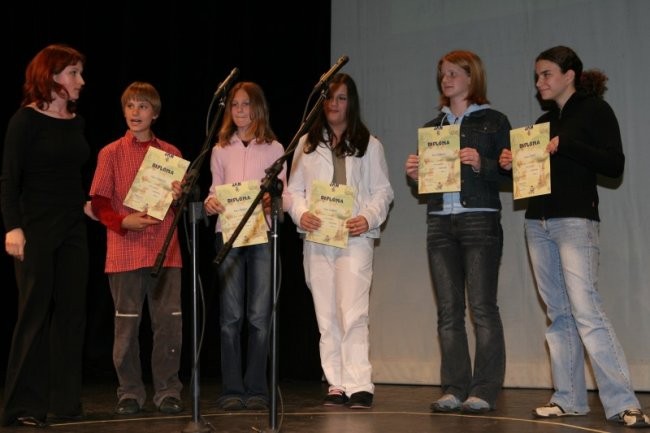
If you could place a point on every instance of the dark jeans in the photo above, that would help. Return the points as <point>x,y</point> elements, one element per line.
<point>464,257</point>
<point>245,295</point>
<point>163,296</point>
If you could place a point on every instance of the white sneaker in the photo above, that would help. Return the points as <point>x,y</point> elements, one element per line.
<point>446,403</point>
<point>553,410</point>
<point>633,418</point>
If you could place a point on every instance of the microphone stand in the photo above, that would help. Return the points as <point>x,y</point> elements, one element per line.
<point>196,424</point>
<point>273,186</point>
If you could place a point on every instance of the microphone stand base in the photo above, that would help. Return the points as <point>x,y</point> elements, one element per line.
<point>197,427</point>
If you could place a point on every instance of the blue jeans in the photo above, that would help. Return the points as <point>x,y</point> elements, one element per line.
<point>564,254</point>
<point>464,257</point>
<point>244,294</point>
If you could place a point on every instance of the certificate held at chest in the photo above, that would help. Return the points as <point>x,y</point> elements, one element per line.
<point>531,165</point>
<point>237,198</point>
<point>439,159</point>
<point>151,190</point>
<point>333,204</point>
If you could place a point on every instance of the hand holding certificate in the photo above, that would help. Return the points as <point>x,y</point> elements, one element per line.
<point>151,190</point>
<point>237,198</point>
<point>333,204</point>
<point>531,165</point>
<point>439,161</point>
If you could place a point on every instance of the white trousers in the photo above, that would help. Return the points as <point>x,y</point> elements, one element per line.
<point>339,280</point>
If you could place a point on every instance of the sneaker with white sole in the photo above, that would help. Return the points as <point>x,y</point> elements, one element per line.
<point>336,397</point>
<point>553,410</point>
<point>475,405</point>
<point>633,418</point>
<point>446,403</point>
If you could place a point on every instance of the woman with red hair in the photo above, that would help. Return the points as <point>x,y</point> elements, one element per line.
<point>43,210</point>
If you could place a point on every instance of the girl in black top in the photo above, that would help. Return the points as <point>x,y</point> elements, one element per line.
<point>562,230</point>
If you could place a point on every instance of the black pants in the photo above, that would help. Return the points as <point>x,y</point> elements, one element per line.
<point>45,360</point>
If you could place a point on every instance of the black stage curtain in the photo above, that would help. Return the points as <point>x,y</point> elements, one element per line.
<point>185,49</point>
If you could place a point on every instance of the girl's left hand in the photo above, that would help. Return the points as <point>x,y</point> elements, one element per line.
<point>470,156</point>
<point>357,225</point>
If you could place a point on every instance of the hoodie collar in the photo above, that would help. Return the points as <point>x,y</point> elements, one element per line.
<point>452,118</point>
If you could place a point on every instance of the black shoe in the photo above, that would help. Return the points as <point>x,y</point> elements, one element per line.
<point>58,417</point>
<point>360,400</point>
<point>30,421</point>
<point>127,406</point>
<point>335,397</point>
<point>257,403</point>
<point>231,403</point>
<point>170,405</point>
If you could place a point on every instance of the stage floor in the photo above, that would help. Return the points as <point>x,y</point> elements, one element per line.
<point>397,409</point>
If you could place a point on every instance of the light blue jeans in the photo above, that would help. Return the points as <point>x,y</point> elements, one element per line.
<point>564,254</point>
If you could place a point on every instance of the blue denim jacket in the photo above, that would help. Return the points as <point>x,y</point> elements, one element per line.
<point>489,132</point>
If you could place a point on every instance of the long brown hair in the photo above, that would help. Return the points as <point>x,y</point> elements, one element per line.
<point>354,140</point>
<point>39,76</point>
<point>260,126</point>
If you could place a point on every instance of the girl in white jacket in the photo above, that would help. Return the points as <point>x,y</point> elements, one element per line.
<point>339,149</point>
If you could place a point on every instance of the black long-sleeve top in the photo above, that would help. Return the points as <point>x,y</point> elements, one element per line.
<point>590,144</point>
<point>41,167</point>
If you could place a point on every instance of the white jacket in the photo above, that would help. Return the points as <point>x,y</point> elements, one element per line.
<point>368,175</point>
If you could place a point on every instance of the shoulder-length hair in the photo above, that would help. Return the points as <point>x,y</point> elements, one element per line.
<point>260,126</point>
<point>39,76</point>
<point>354,140</point>
<point>473,65</point>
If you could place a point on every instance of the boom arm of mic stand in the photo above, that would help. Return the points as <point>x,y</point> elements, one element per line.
<point>227,246</point>
<point>188,185</point>
<point>271,177</point>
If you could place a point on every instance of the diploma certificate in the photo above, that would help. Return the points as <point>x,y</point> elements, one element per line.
<point>237,198</point>
<point>333,204</point>
<point>439,159</point>
<point>151,190</point>
<point>531,164</point>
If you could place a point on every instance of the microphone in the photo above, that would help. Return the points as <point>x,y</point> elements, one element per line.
<point>225,84</point>
<point>327,76</point>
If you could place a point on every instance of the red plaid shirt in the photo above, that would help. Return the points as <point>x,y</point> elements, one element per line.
<point>117,165</point>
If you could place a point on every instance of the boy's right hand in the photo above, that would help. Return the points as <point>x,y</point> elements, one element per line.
<point>138,221</point>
